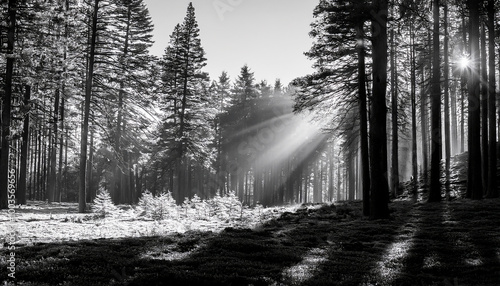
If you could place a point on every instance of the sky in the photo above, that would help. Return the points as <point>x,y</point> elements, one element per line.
<point>270,36</point>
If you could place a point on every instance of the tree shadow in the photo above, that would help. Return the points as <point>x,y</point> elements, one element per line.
<point>456,244</point>
<point>258,256</point>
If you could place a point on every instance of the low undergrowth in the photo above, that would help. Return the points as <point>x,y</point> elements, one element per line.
<point>450,243</point>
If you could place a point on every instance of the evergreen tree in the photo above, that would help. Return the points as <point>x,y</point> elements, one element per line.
<point>187,94</point>
<point>339,84</point>
<point>133,38</point>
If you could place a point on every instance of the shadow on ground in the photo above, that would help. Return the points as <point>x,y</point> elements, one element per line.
<point>422,244</point>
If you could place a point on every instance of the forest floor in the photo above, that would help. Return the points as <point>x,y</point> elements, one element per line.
<point>449,243</point>
<point>455,242</point>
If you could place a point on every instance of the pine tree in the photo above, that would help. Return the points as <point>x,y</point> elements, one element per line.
<point>340,78</point>
<point>235,126</point>
<point>184,128</point>
<point>103,205</point>
<point>133,38</point>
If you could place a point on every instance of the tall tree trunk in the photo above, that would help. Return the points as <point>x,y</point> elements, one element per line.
<point>32,155</point>
<point>424,125</point>
<point>454,116</point>
<point>6,106</point>
<point>61,149</point>
<point>413,113</point>
<point>339,198</point>
<point>435,188</point>
<point>394,119</point>
<point>331,170</point>
<point>86,115</point>
<point>363,124</point>
<point>21,189</point>
<point>51,186</point>
<point>474,182</point>
<point>484,109</point>
<point>90,190</point>
<point>446,84</point>
<point>38,185</point>
<point>492,191</point>
<point>65,169</point>
<point>378,131</point>
<point>463,88</point>
<point>351,175</point>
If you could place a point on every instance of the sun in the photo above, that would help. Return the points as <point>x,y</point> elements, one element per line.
<point>463,62</point>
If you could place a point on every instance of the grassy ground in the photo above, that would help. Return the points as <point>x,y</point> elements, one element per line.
<point>450,243</point>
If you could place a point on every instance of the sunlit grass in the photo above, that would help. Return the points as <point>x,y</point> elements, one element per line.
<point>305,269</point>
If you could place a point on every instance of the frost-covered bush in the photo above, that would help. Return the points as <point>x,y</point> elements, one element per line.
<point>226,207</point>
<point>234,205</point>
<point>158,208</point>
<point>103,205</point>
<point>195,208</point>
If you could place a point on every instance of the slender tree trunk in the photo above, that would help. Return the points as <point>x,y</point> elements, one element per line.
<point>53,149</point>
<point>61,148</point>
<point>339,198</point>
<point>435,189</point>
<point>378,131</point>
<point>331,169</point>
<point>363,124</point>
<point>88,96</point>
<point>32,155</point>
<point>21,189</point>
<point>454,116</point>
<point>474,182</point>
<point>446,84</point>
<point>351,175</point>
<point>413,113</point>
<point>65,169</point>
<point>463,88</point>
<point>90,191</point>
<point>484,109</point>
<point>38,185</point>
<point>394,119</point>
<point>424,127</point>
<point>6,107</point>
<point>492,191</point>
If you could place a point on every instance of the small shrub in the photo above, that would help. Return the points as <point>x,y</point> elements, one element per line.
<point>159,207</point>
<point>103,205</point>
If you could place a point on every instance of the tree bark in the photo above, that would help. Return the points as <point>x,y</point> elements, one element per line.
<point>363,124</point>
<point>378,131</point>
<point>424,125</point>
<point>394,119</point>
<point>413,113</point>
<point>446,84</point>
<point>51,186</point>
<point>21,189</point>
<point>484,110</point>
<point>6,107</point>
<point>435,188</point>
<point>86,114</point>
<point>474,182</point>
<point>492,191</point>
